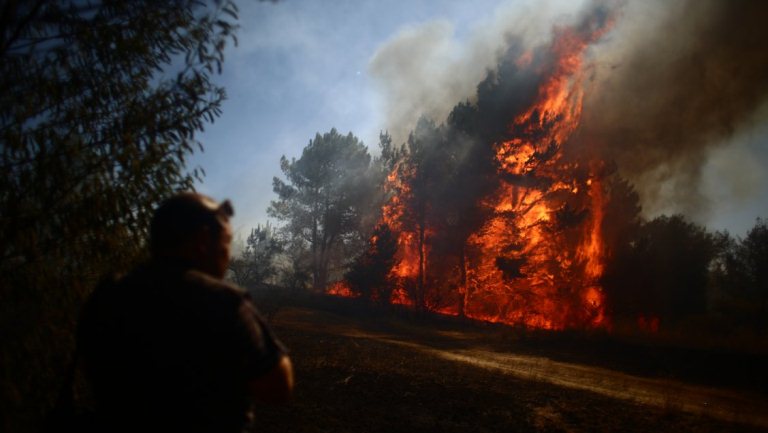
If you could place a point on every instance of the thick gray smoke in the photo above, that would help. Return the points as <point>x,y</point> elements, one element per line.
<point>674,81</point>
<point>426,70</point>
<point>667,88</point>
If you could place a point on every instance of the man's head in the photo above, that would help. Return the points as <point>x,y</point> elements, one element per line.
<point>194,228</point>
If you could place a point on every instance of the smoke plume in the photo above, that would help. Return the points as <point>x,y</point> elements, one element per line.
<point>426,70</point>
<point>674,81</point>
<point>670,84</point>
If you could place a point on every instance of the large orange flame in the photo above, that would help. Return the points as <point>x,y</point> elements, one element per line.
<point>551,280</point>
<point>538,259</point>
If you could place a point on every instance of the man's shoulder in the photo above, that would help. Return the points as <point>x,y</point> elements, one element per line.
<point>215,286</point>
<point>160,275</point>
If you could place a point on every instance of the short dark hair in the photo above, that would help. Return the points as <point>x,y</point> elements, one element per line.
<point>178,218</point>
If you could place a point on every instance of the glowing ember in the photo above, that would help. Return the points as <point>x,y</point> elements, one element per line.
<point>340,288</point>
<point>400,297</point>
<point>648,324</point>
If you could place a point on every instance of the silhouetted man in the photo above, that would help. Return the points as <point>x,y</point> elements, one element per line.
<point>171,347</point>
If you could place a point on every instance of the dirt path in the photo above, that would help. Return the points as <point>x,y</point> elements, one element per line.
<point>668,394</point>
<point>723,404</point>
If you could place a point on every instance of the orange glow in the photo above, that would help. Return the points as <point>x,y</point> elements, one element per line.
<point>525,59</point>
<point>341,288</point>
<point>538,258</point>
<point>400,297</point>
<point>549,279</point>
<point>648,324</point>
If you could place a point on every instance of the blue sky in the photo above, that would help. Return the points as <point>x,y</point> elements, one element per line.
<point>304,66</point>
<point>301,67</point>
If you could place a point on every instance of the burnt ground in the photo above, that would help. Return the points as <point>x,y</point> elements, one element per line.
<point>367,370</point>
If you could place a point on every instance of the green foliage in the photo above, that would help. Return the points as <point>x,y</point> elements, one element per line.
<point>293,273</point>
<point>100,102</point>
<point>389,156</point>
<point>257,264</point>
<point>324,199</point>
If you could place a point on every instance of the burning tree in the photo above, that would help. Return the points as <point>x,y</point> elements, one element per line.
<point>496,216</point>
<point>514,208</point>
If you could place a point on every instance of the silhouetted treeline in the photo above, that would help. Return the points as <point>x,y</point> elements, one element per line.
<point>671,273</point>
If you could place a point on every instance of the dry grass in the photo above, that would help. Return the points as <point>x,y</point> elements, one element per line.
<point>371,373</point>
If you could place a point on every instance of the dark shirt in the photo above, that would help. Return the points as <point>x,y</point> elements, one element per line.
<point>168,348</point>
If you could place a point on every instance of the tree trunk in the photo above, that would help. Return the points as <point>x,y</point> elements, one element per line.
<point>315,258</point>
<point>420,295</point>
<point>463,290</point>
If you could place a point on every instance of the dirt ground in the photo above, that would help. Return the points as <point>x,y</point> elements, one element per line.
<point>358,373</point>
